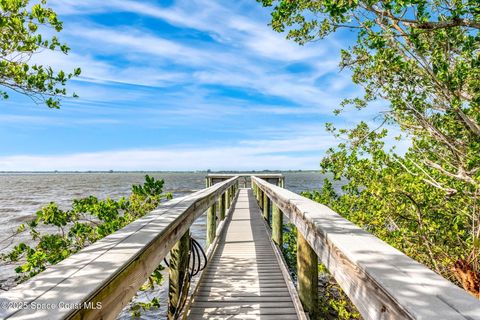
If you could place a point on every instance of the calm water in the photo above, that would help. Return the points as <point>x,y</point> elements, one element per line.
<point>21,195</point>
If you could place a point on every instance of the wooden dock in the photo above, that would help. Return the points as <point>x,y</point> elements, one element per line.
<point>244,279</point>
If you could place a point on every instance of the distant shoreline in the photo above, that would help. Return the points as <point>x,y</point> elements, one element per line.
<point>156,171</point>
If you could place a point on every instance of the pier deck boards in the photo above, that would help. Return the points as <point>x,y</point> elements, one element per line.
<point>243,280</point>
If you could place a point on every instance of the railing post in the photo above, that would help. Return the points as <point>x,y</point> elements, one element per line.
<point>177,285</point>
<point>307,266</point>
<point>260,199</point>
<point>277,225</point>
<point>223,208</point>
<point>211,223</point>
<point>266,206</point>
<point>227,197</point>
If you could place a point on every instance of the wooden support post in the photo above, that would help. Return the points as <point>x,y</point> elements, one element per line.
<point>223,204</point>
<point>277,225</point>
<point>266,207</point>
<point>259,196</point>
<point>307,266</point>
<point>227,197</point>
<point>211,223</point>
<point>178,271</point>
<point>260,199</point>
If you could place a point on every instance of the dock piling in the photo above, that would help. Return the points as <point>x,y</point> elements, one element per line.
<point>177,284</point>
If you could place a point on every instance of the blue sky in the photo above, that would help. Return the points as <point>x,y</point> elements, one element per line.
<point>180,85</point>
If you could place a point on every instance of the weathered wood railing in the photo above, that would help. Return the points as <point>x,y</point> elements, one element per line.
<point>99,281</point>
<point>381,281</point>
<point>244,178</point>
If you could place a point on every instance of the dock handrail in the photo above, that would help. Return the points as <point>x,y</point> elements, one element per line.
<point>277,178</point>
<point>381,281</point>
<point>110,271</point>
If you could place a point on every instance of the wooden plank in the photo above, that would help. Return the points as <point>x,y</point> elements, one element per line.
<point>242,317</point>
<point>244,310</point>
<point>263,291</point>
<point>242,285</point>
<point>242,304</point>
<point>252,275</point>
<point>243,277</point>
<point>244,299</point>
<point>220,293</point>
<point>247,272</point>
<point>111,270</point>
<point>381,281</point>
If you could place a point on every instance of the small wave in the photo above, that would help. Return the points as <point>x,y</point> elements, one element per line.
<point>9,210</point>
<point>22,218</point>
<point>181,190</point>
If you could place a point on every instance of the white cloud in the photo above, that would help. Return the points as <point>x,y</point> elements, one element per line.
<point>118,59</point>
<point>247,155</point>
<point>248,54</point>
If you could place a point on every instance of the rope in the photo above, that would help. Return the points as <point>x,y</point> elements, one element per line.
<point>197,261</point>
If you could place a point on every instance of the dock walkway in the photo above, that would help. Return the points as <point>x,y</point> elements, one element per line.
<point>244,279</point>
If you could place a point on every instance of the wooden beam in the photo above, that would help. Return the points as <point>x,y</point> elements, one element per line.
<point>223,208</point>
<point>211,223</point>
<point>260,199</point>
<point>381,281</point>
<point>307,269</point>
<point>277,225</point>
<point>227,197</point>
<point>178,285</point>
<point>266,207</point>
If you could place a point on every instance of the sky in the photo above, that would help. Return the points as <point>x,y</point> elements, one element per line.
<point>180,85</point>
